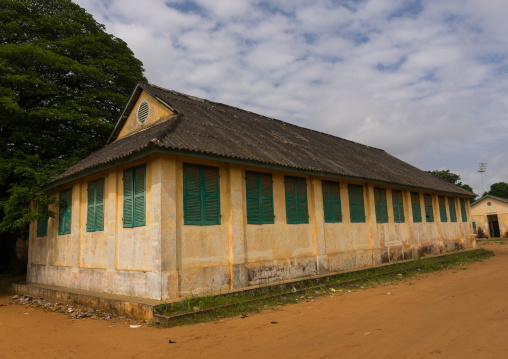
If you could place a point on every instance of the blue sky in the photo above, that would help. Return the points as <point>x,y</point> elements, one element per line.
<point>424,80</point>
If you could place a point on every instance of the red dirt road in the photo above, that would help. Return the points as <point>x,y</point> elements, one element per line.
<point>450,314</point>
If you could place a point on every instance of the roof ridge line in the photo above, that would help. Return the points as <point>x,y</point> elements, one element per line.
<point>203,100</point>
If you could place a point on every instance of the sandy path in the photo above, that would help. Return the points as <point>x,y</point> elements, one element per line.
<point>450,314</point>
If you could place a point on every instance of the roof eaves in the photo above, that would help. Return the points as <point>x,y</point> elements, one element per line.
<point>124,115</point>
<point>491,196</point>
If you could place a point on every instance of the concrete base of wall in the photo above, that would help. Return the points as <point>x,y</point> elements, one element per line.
<point>133,307</point>
<point>142,308</point>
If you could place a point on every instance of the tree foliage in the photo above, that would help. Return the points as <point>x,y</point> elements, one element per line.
<point>499,189</point>
<point>451,177</point>
<point>63,82</point>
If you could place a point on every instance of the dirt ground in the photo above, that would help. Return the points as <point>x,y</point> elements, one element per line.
<point>459,313</point>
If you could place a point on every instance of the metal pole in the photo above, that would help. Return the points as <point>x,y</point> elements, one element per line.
<point>483,168</point>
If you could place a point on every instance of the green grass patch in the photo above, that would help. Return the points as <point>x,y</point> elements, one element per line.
<point>197,309</point>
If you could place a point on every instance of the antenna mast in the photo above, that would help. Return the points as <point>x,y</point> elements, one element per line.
<point>483,168</point>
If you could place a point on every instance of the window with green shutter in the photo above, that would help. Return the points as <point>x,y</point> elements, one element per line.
<point>201,195</point>
<point>259,198</point>
<point>331,202</point>
<point>42,224</point>
<point>381,205</point>
<point>453,212</point>
<point>442,209</point>
<point>356,203</point>
<point>95,206</point>
<point>398,206</point>
<point>134,197</point>
<point>463,209</point>
<point>429,209</point>
<point>65,212</point>
<point>296,200</point>
<point>415,206</point>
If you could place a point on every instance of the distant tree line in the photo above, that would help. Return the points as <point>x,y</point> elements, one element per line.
<point>499,189</point>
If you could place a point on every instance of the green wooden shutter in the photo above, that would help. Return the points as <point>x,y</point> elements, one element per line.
<point>381,205</point>
<point>210,176</point>
<point>442,209</point>
<point>68,211</point>
<point>253,197</point>
<point>453,212</point>
<point>416,208</point>
<point>429,210</point>
<point>463,209</point>
<point>331,202</point>
<point>128,200</point>
<point>290,185</point>
<point>302,207</point>
<point>267,215</point>
<point>337,206</point>
<point>192,194</point>
<point>42,224</point>
<point>99,205</point>
<point>90,213</point>
<point>61,215</point>
<point>327,202</point>
<point>356,203</point>
<point>139,196</point>
<point>201,195</point>
<point>398,206</point>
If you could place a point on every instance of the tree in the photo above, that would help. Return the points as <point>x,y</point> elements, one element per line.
<point>451,177</point>
<point>499,189</point>
<point>63,82</point>
<point>446,175</point>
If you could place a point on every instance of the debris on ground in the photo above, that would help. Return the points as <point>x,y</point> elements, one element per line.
<point>73,311</point>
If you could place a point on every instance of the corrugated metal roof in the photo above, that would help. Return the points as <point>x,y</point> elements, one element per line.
<point>212,128</point>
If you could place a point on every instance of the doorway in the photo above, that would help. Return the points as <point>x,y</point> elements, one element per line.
<point>494,226</point>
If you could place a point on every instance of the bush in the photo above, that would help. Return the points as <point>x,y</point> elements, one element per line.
<point>481,233</point>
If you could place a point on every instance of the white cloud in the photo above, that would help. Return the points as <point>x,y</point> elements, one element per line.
<point>426,83</point>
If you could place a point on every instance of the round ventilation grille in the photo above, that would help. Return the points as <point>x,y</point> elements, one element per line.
<point>488,203</point>
<point>143,110</point>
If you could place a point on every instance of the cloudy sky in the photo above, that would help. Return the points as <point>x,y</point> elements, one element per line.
<point>424,80</point>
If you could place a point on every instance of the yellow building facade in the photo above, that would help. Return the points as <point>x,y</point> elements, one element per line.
<point>173,247</point>
<point>490,213</point>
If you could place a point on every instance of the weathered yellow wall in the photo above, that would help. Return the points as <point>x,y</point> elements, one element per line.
<point>481,210</point>
<point>157,112</point>
<point>166,259</point>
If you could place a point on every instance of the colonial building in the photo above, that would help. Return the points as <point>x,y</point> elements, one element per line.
<point>191,196</point>
<point>490,213</point>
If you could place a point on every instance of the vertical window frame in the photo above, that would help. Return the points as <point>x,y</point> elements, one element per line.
<point>137,197</point>
<point>442,209</point>
<point>453,209</point>
<point>93,209</point>
<point>65,212</point>
<point>416,207</point>
<point>398,206</point>
<point>42,225</point>
<point>332,206</point>
<point>429,208</point>
<point>381,205</point>
<point>258,200</point>
<point>300,202</point>
<point>203,195</point>
<point>463,210</point>
<point>356,203</point>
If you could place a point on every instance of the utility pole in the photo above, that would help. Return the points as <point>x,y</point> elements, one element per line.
<point>483,168</point>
